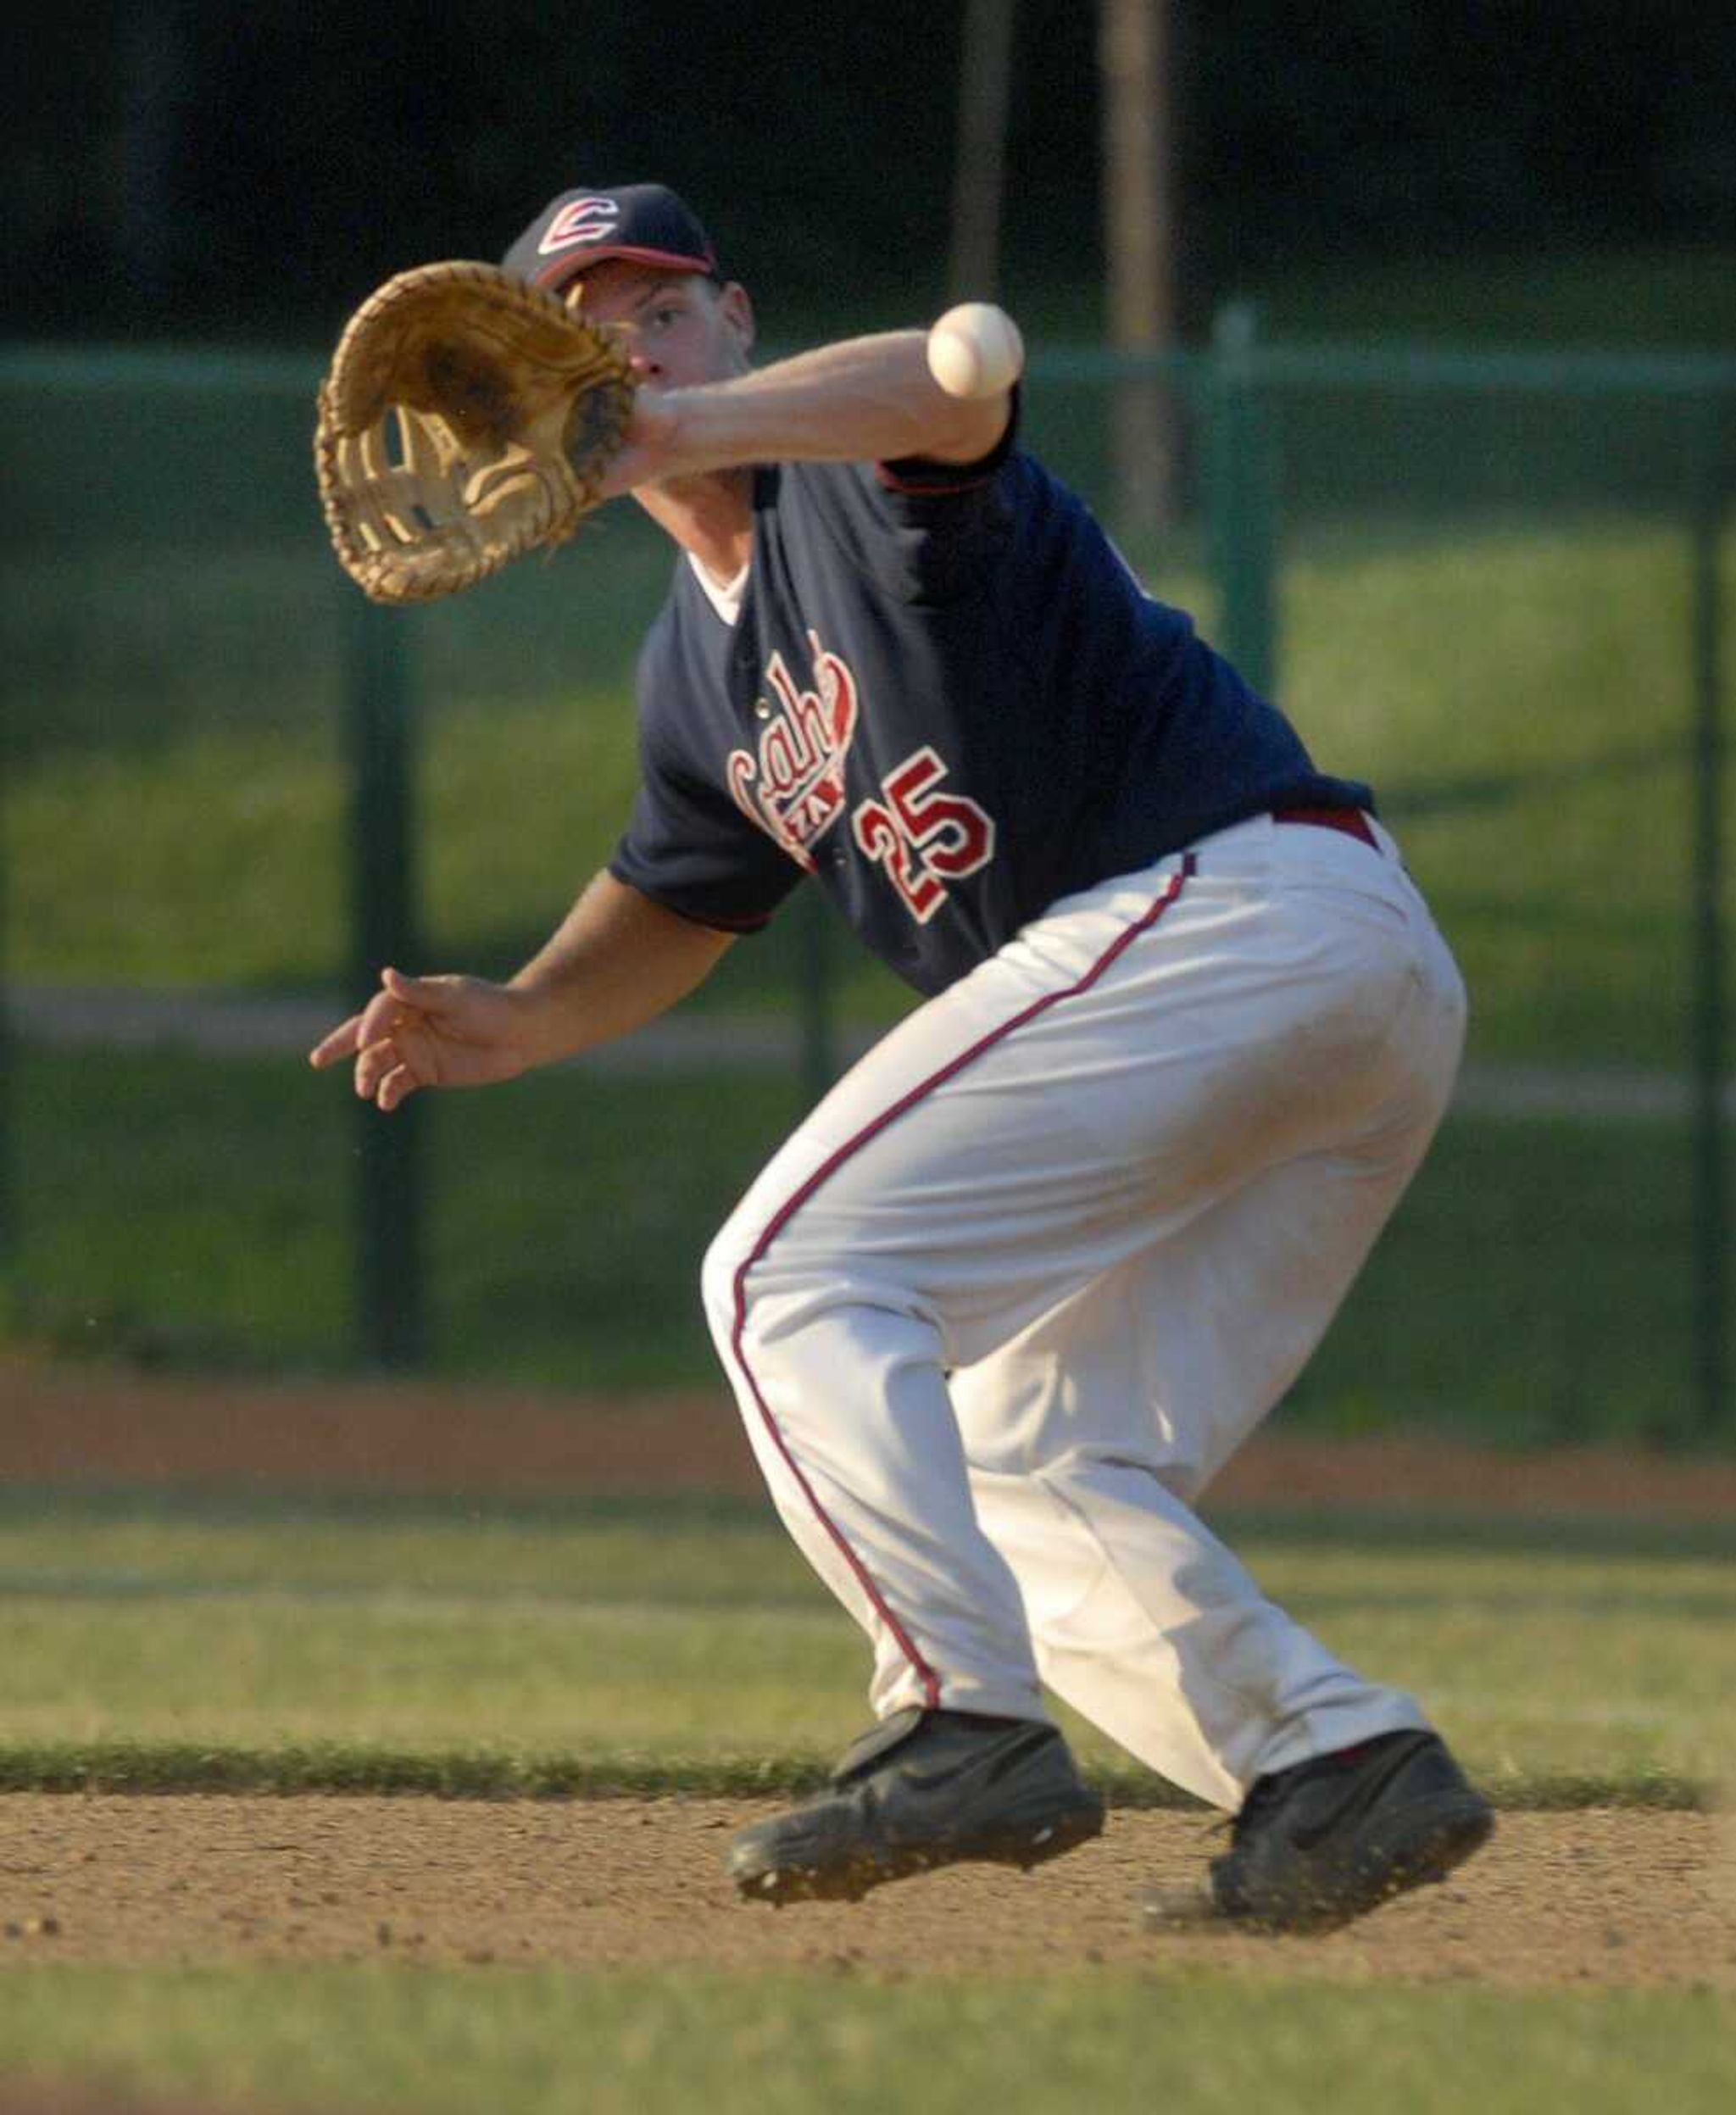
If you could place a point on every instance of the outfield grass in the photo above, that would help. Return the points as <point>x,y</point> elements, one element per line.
<point>1519,691</point>
<point>567,1215</point>
<point>663,1644</point>
<point>1641,298</point>
<point>545,2043</point>
<point>1536,1285</point>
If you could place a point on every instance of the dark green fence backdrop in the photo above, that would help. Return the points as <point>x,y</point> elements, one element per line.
<point>1494,585</point>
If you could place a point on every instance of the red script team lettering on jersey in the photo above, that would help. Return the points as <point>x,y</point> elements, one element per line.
<point>794,788</point>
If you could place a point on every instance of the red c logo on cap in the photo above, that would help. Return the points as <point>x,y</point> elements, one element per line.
<point>579,220</point>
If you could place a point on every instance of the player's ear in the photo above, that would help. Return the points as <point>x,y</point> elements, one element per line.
<point>739,313</point>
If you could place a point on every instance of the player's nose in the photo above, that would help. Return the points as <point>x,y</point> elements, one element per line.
<point>639,359</point>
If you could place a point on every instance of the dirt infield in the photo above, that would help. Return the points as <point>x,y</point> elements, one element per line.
<point>1599,1898</point>
<point>96,1425</point>
<point>1590,1898</point>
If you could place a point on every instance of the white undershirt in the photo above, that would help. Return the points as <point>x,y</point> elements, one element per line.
<point>724,596</point>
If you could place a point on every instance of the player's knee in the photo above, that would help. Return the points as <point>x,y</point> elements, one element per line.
<point>722,1280</point>
<point>748,1284</point>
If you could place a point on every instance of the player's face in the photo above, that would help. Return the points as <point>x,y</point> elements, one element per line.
<point>681,329</point>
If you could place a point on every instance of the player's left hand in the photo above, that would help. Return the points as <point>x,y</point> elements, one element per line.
<point>420,1032</point>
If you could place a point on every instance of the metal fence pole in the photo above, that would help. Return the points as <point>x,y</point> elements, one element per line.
<point>815,957</point>
<point>1242,499</point>
<point>9,1165</point>
<point>1711,1212</point>
<point>378,715</point>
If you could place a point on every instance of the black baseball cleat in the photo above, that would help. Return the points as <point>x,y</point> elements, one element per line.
<point>923,1788</point>
<point>1329,1839</point>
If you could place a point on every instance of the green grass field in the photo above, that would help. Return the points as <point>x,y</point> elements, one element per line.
<point>483,1649</point>
<point>1536,1285</point>
<point>672,1643</point>
<point>545,2043</point>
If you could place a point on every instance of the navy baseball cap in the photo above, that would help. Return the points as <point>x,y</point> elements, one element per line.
<point>643,222</point>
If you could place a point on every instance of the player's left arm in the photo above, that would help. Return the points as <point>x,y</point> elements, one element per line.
<point>866,399</point>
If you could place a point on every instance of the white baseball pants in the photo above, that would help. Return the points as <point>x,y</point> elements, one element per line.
<point>1023,1282</point>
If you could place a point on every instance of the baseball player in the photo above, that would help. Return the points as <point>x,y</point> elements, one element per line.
<point>1023,1282</point>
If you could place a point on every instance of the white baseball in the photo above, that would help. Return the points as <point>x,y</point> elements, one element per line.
<point>975,350</point>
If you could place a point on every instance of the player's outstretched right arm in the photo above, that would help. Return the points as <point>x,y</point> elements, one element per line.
<point>618,961</point>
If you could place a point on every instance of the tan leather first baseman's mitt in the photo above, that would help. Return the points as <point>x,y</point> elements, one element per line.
<point>467,419</point>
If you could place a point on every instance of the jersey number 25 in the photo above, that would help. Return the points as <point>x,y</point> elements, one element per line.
<point>923,839</point>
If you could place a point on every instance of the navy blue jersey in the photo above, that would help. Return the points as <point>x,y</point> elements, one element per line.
<point>948,699</point>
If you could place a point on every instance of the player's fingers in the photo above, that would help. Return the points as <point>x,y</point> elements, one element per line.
<point>427,994</point>
<point>368,1069</point>
<point>395,1087</point>
<point>383,1013</point>
<point>410,1049</point>
<point>374,1062</point>
<point>343,1042</point>
<point>386,1017</point>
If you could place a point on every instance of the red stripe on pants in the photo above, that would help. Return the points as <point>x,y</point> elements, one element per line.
<point>781,1218</point>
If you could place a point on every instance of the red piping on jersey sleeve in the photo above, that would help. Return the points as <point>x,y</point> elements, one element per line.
<point>936,487</point>
<point>714,922</point>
